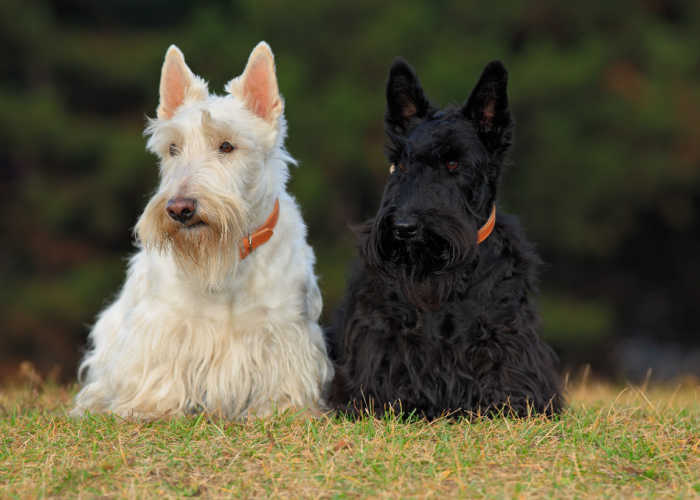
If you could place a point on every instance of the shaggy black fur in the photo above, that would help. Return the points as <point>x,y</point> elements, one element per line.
<point>432,322</point>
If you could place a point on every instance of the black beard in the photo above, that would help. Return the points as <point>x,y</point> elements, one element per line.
<point>425,268</point>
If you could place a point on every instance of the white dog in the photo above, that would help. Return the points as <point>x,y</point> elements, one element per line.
<point>220,306</point>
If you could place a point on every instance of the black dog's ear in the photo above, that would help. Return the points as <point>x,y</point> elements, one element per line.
<point>487,107</point>
<point>404,97</point>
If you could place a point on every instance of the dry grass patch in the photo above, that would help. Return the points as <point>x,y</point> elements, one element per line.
<point>617,442</point>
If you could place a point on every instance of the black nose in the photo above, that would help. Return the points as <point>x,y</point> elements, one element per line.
<point>181,209</point>
<point>405,228</point>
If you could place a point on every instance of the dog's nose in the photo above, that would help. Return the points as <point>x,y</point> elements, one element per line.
<point>181,209</point>
<point>405,229</point>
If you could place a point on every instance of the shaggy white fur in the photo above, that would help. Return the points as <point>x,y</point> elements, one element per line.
<point>194,327</point>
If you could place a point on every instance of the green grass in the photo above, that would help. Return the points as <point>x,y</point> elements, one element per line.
<point>611,442</point>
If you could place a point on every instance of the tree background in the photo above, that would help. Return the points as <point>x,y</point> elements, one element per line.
<point>605,178</point>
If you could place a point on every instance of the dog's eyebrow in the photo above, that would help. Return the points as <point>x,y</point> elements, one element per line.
<point>163,130</point>
<point>216,129</point>
<point>432,150</point>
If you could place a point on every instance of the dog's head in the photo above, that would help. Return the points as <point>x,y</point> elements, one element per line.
<point>445,170</point>
<point>222,162</point>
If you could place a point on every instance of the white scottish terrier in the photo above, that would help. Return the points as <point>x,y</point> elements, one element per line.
<point>219,312</point>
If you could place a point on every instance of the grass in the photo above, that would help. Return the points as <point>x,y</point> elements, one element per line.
<point>611,442</point>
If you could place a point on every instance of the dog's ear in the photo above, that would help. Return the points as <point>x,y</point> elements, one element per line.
<point>257,85</point>
<point>405,99</point>
<point>177,83</point>
<point>487,107</point>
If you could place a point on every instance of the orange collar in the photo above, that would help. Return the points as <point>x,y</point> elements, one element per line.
<point>261,235</point>
<point>487,228</point>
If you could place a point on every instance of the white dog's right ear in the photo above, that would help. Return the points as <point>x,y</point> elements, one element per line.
<point>177,83</point>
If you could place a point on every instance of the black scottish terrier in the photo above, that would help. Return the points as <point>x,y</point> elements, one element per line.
<point>439,315</point>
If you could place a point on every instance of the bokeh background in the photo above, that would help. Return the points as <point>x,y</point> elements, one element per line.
<point>606,173</point>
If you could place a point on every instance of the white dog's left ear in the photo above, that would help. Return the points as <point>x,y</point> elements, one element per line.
<point>257,85</point>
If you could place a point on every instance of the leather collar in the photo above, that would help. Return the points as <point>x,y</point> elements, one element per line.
<point>487,228</point>
<point>261,235</point>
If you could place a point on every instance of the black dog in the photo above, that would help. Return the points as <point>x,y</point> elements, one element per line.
<point>435,320</point>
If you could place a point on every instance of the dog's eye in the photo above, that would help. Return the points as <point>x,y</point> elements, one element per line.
<point>172,150</point>
<point>226,147</point>
<point>452,166</point>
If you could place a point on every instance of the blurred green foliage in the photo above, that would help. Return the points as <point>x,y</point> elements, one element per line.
<point>605,176</point>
